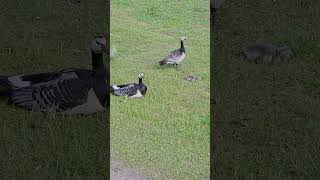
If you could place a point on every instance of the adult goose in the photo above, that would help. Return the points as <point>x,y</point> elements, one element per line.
<point>70,91</point>
<point>132,90</point>
<point>176,56</point>
<point>266,53</point>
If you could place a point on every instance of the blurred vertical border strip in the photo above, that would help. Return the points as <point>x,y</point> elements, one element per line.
<point>212,100</point>
<point>107,113</point>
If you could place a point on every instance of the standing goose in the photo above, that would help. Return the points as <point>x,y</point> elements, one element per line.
<point>19,81</point>
<point>176,56</point>
<point>132,90</point>
<point>70,91</point>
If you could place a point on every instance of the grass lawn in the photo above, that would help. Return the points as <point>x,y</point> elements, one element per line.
<point>267,118</point>
<point>41,36</point>
<point>165,133</point>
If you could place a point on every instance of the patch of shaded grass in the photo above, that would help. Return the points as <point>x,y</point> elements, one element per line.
<point>266,118</point>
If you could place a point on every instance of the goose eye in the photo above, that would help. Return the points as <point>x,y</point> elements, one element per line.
<point>98,42</point>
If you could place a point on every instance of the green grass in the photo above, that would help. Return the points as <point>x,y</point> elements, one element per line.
<point>41,36</point>
<point>267,118</point>
<point>166,133</point>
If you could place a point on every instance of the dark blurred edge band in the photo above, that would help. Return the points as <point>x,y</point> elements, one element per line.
<point>212,100</point>
<point>107,113</point>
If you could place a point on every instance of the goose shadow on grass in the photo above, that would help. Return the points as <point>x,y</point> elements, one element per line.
<point>155,65</point>
<point>4,98</point>
<point>5,101</point>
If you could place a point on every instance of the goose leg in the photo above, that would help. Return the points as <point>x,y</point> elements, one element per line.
<point>176,65</point>
<point>179,68</point>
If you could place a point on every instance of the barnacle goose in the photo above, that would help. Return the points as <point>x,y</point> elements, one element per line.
<point>266,53</point>
<point>132,90</point>
<point>70,91</point>
<point>176,56</point>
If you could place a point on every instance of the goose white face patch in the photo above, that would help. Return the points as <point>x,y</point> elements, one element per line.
<point>18,82</point>
<point>141,75</point>
<point>96,44</point>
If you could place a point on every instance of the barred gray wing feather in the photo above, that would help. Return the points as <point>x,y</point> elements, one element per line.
<point>126,90</point>
<point>174,55</point>
<point>59,95</point>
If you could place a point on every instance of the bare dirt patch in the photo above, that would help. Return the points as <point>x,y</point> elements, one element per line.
<point>119,171</point>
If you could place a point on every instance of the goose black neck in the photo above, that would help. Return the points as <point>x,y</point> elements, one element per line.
<point>97,63</point>
<point>182,46</point>
<point>140,80</point>
<point>277,52</point>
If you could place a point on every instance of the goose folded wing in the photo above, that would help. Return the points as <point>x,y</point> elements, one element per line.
<point>127,89</point>
<point>59,95</point>
<point>41,78</point>
<point>174,55</point>
<point>19,81</point>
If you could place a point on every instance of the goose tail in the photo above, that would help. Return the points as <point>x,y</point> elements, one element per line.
<point>5,90</point>
<point>163,62</point>
<point>113,88</point>
<point>4,81</point>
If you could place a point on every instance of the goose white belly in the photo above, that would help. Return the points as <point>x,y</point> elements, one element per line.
<point>91,106</point>
<point>137,95</point>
